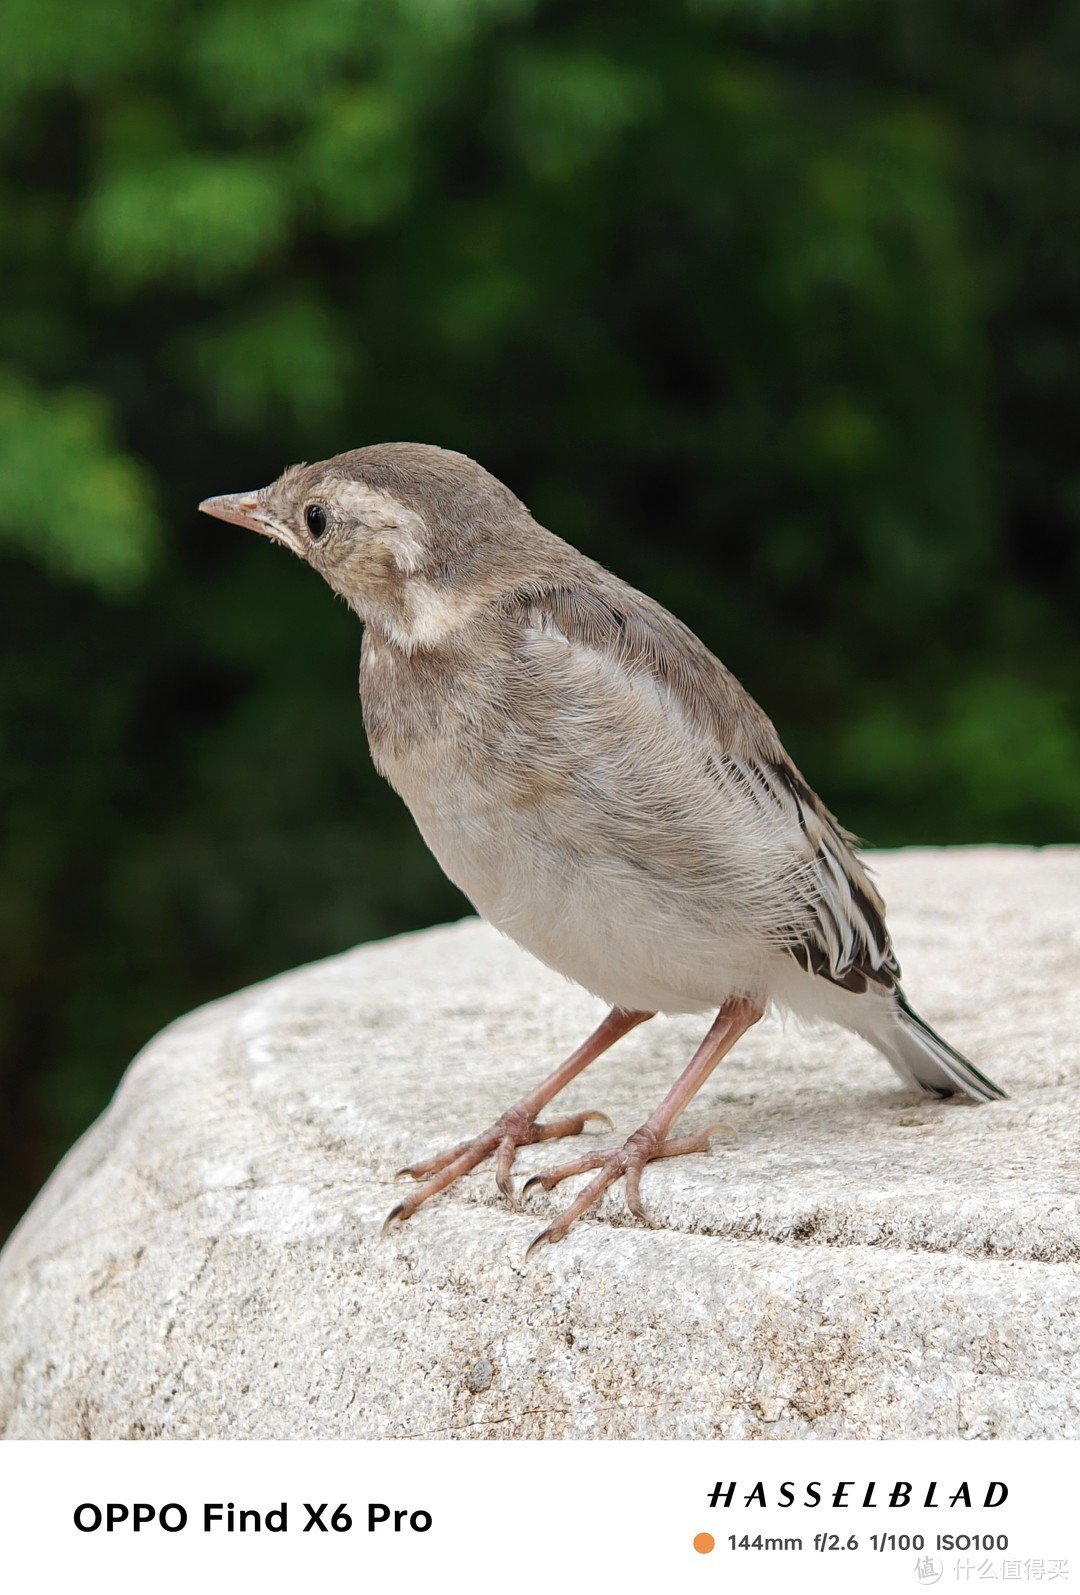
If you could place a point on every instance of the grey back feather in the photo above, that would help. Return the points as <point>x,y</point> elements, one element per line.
<point>846,940</point>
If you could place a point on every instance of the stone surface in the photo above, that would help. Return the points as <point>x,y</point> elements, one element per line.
<point>207,1261</point>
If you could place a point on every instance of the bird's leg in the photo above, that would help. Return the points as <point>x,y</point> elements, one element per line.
<point>651,1141</point>
<point>517,1126</point>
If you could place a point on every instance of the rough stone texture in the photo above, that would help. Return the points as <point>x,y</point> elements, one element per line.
<point>207,1261</point>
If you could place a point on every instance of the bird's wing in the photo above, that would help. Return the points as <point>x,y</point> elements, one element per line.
<point>848,942</point>
<point>839,932</point>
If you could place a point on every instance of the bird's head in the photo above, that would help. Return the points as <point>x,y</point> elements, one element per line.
<point>405,532</point>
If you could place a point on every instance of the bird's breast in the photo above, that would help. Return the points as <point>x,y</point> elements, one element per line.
<point>580,813</point>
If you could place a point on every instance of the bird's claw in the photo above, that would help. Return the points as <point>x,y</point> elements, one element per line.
<point>542,1239</point>
<point>627,1162</point>
<point>716,1129</point>
<point>514,1129</point>
<point>391,1219</point>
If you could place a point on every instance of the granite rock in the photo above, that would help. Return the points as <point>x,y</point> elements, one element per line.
<point>207,1261</point>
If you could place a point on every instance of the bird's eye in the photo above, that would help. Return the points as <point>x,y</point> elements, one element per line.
<point>315,516</point>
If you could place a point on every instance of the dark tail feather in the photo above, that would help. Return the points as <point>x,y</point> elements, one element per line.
<point>925,1059</point>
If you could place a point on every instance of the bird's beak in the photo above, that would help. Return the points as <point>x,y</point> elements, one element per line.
<point>246,509</point>
<point>243,509</point>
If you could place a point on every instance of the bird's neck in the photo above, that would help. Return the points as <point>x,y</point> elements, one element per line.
<point>419,615</point>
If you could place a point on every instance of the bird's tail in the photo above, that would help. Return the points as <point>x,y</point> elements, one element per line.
<point>923,1058</point>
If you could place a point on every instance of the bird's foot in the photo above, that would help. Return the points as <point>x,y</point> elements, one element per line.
<point>516,1127</point>
<point>626,1162</point>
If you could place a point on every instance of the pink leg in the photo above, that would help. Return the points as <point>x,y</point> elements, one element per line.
<point>517,1126</point>
<point>651,1141</point>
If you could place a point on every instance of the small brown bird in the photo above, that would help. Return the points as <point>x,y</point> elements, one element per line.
<point>598,784</point>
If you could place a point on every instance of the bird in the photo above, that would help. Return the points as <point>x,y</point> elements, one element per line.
<point>600,786</point>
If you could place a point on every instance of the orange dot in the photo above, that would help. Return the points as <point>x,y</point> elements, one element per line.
<point>703,1543</point>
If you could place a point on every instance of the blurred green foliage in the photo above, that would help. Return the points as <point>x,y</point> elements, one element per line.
<point>772,305</point>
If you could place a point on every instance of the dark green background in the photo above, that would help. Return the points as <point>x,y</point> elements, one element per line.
<point>772,305</point>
